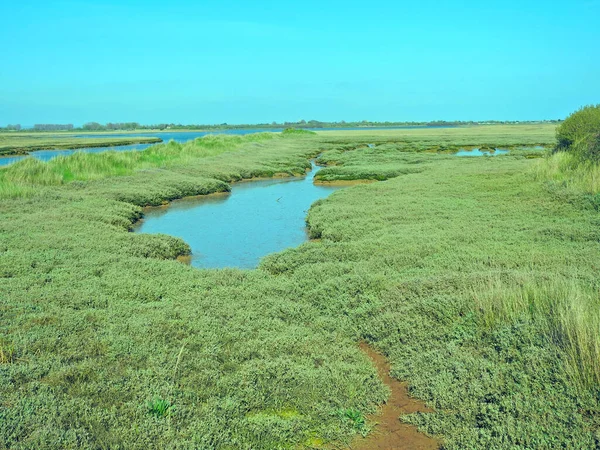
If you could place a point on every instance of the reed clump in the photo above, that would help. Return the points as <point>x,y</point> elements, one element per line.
<point>566,312</point>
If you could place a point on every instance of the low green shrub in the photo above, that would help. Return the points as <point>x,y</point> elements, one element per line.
<point>297,132</point>
<point>580,133</point>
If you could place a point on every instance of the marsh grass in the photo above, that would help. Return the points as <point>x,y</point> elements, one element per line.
<point>7,353</point>
<point>10,190</point>
<point>103,319</point>
<point>160,408</point>
<point>567,170</point>
<point>566,313</point>
<point>356,419</point>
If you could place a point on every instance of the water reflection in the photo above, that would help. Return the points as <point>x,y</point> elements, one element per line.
<point>478,152</point>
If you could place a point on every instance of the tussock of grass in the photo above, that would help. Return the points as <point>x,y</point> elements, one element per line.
<point>566,313</point>
<point>9,190</point>
<point>565,170</point>
<point>7,353</point>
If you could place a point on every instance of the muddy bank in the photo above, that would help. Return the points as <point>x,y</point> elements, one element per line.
<point>389,432</point>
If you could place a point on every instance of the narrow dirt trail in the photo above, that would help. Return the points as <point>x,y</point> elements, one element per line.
<point>390,433</point>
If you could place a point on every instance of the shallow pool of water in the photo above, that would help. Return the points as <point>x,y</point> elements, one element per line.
<point>238,228</point>
<point>478,152</point>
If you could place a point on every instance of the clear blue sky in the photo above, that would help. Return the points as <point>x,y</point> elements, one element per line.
<point>241,61</point>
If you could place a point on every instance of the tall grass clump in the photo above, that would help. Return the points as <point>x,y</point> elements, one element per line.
<point>565,312</point>
<point>10,190</point>
<point>575,163</point>
<point>566,170</point>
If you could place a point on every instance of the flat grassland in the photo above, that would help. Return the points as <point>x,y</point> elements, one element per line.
<point>478,278</point>
<point>19,143</point>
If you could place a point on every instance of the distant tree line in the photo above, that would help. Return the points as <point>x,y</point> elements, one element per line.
<point>95,126</point>
<point>15,127</point>
<point>445,123</point>
<point>341,124</point>
<point>52,127</point>
<point>126,126</point>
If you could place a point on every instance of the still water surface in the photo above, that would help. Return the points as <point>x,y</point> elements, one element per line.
<point>239,228</point>
<point>478,152</point>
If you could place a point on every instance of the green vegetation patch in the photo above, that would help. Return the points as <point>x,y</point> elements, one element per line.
<point>475,277</point>
<point>297,132</point>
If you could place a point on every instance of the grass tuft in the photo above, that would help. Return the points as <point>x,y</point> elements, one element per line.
<point>566,170</point>
<point>7,353</point>
<point>355,418</point>
<point>160,408</point>
<point>566,313</point>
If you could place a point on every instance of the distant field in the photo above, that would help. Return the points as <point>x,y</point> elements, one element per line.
<point>22,143</point>
<point>477,278</point>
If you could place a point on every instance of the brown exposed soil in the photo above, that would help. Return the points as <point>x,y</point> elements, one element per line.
<point>389,432</point>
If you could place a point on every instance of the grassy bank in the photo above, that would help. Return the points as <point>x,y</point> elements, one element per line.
<point>22,143</point>
<point>475,277</point>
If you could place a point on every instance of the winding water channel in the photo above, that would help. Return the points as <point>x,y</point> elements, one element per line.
<point>238,228</point>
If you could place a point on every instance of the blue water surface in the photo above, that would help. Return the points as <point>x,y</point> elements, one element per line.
<point>238,228</point>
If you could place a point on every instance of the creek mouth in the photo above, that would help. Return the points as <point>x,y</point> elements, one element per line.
<point>237,229</point>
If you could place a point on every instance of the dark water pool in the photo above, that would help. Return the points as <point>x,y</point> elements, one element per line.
<point>238,228</point>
